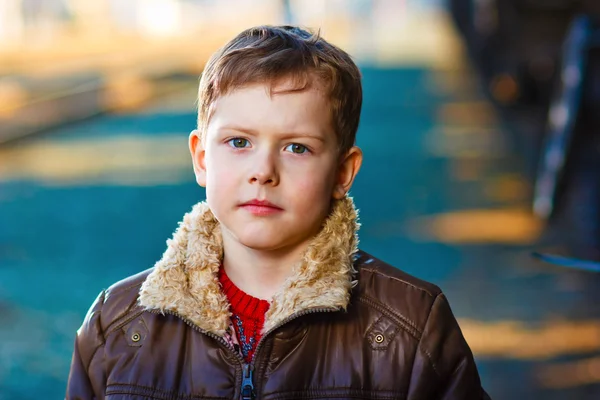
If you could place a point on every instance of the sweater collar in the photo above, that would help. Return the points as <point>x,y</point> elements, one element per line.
<point>185,280</point>
<point>242,304</point>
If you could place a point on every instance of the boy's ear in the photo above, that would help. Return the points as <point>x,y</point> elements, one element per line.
<point>347,170</point>
<point>198,157</point>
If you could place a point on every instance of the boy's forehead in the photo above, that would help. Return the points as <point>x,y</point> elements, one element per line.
<point>283,106</point>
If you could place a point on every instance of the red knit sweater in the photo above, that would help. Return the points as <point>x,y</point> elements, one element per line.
<point>248,315</point>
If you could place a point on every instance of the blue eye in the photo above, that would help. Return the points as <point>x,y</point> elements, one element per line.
<point>238,143</point>
<point>297,148</point>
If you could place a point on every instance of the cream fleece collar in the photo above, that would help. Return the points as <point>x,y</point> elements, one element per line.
<point>185,280</point>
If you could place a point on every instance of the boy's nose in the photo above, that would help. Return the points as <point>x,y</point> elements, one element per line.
<point>264,171</point>
<point>262,179</point>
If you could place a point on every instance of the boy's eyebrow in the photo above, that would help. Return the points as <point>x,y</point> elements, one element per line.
<point>250,132</point>
<point>287,135</point>
<point>292,135</point>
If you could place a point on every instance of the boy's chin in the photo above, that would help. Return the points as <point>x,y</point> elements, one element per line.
<point>263,243</point>
<point>272,241</point>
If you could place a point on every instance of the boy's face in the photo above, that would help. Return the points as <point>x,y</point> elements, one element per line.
<point>279,149</point>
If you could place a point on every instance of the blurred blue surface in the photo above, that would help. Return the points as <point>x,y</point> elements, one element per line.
<point>62,243</point>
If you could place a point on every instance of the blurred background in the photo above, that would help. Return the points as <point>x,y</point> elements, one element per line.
<point>481,135</point>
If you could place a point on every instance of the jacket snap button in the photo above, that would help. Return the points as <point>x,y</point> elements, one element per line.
<point>379,338</point>
<point>136,337</point>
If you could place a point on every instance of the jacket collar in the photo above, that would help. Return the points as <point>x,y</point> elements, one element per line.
<point>185,280</point>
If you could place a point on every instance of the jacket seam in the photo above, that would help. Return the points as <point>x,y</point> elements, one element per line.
<point>399,280</point>
<point>460,364</point>
<point>121,388</point>
<point>421,341</point>
<point>323,393</point>
<point>125,289</point>
<point>87,368</point>
<point>318,396</point>
<point>123,314</point>
<point>122,321</point>
<point>432,363</point>
<point>128,392</point>
<point>419,347</point>
<point>399,319</point>
<point>89,363</point>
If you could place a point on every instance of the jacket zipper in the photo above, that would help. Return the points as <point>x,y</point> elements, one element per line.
<point>279,325</point>
<point>247,389</point>
<point>247,383</point>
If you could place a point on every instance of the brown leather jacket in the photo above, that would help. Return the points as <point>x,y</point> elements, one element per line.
<point>344,326</point>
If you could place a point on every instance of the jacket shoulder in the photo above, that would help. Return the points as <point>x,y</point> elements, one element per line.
<point>120,299</point>
<point>406,299</point>
<point>373,268</point>
<point>111,306</point>
<point>443,362</point>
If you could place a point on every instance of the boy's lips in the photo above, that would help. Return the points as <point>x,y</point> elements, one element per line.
<point>261,207</point>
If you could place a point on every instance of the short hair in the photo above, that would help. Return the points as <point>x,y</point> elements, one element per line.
<point>268,54</point>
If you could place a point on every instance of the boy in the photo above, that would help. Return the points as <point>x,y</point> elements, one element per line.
<point>262,292</point>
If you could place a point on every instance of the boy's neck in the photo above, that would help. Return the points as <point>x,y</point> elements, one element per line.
<point>259,273</point>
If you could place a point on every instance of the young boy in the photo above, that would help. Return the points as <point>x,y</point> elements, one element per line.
<point>262,292</point>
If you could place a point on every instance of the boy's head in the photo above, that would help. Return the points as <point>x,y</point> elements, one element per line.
<point>277,117</point>
<point>271,54</point>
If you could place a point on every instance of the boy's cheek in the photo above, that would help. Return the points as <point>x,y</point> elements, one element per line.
<point>312,189</point>
<point>311,196</point>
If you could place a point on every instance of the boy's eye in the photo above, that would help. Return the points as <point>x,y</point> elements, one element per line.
<point>238,143</point>
<point>296,148</point>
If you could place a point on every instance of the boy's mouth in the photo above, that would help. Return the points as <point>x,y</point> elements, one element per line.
<point>261,207</point>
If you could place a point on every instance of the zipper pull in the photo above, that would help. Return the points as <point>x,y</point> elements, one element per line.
<point>247,385</point>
